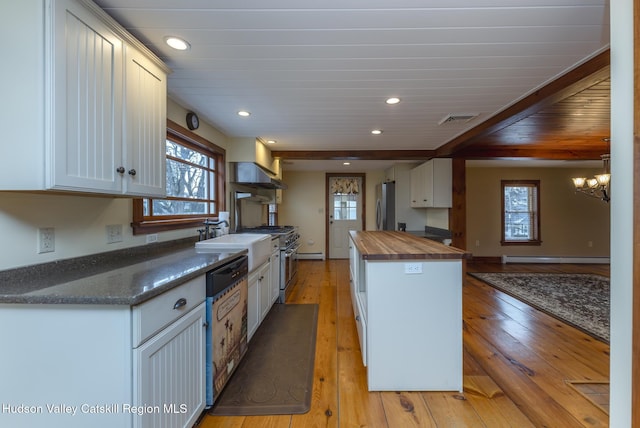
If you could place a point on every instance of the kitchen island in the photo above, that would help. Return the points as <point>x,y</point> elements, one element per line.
<point>406,293</point>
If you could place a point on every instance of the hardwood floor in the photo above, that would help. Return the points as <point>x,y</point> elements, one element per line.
<point>517,361</point>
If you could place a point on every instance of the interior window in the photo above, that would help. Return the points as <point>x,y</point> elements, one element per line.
<point>195,184</point>
<point>520,212</point>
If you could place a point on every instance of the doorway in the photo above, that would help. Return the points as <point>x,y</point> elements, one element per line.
<point>345,196</point>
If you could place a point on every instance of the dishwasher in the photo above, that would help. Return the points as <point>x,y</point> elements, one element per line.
<point>226,318</point>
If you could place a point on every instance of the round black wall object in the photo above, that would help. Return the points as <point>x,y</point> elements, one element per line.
<point>192,121</point>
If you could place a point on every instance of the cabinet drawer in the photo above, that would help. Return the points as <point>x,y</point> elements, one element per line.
<point>151,316</point>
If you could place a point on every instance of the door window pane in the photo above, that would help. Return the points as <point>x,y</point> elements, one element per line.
<point>345,206</point>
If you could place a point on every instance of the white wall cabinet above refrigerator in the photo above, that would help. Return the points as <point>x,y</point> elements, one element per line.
<point>88,109</point>
<point>431,184</point>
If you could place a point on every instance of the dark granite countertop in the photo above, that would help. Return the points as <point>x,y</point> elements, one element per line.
<point>125,277</point>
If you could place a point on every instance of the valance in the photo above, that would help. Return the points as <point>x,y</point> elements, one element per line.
<point>345,185</point>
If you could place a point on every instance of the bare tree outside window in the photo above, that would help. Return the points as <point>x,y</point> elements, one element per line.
<point>194,182</point>
<point>520,212</point>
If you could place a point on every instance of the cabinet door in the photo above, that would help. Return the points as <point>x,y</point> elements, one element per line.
<point>169,376</point>
<point>145,112</point>
<point>85,94</point>
<point>275,276</point>
<point>418,186</point>
<point>264,283</point>
<point>253,304</point>
<point>442,183</point>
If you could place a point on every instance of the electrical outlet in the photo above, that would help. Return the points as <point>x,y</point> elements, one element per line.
<point>114,233</point>
<point>413,268</point>
<point>153,237</point>
<point>46,240</point>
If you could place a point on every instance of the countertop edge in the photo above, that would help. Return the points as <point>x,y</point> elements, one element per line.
<point>126,285</point>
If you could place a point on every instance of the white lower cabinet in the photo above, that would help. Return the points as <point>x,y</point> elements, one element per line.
<point>169,382</point>
<point>253,304</point>
<point>105,366</point>
<point>265,290</point>
<point>259,298</point>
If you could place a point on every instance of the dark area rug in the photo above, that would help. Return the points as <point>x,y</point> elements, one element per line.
<point>276,375</point>
<point>581,300</point>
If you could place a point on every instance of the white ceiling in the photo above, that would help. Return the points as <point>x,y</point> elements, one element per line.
<point>315,74</point>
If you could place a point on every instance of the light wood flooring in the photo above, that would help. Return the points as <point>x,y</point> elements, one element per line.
<point>517,362</point>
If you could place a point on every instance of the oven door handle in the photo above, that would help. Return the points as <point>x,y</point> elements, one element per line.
<point>288,253</point>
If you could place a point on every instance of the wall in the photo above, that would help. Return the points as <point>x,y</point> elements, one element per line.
<point>79,221</point>
<point>304,205</point>
<point>568,221</point>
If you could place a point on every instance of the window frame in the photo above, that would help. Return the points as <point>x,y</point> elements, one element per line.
<point>142,225</point>
<point>535,184</point>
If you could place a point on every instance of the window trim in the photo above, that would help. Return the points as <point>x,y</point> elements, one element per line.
<point>184,136</point>
<point>515,183</point>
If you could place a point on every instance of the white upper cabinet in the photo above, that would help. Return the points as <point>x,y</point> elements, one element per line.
<point>96,103</point>
<point>431,184</point>
<point>146,124</point>
<point>86,96</point>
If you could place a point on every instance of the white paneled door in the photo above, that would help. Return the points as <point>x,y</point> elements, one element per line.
<point>345,207</point>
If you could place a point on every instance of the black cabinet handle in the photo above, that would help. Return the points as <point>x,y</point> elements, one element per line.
<point>180,303</point>
<point>132,172</point>
<point>120,170</point>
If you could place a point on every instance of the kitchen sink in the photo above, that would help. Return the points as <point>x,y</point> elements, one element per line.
<point>257,244</point>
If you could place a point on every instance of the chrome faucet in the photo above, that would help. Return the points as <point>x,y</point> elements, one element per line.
<point>207,228</point>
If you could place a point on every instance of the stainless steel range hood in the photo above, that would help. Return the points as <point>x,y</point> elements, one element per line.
<point>253,175</point>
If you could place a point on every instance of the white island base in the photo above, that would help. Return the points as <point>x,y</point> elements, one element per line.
<point>414,326</point>
<point>409,318</point>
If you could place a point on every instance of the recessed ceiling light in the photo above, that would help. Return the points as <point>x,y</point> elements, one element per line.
<point>393,100</point>
<point>376,131</point>
<point>346,163</point>
<point>271,141</point>
<point>177,43</point>
<point>244,113</point>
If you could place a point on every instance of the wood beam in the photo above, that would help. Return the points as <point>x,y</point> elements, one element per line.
<point>530,152</point>
<point>458,212</point>
<point>416,155</point>
<point>584,76</point>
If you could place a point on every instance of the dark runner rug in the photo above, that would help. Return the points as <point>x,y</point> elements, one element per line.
<point>581,300</point>
<point>276,374</point>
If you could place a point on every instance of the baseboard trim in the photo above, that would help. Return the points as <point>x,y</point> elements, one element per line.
<point>481,259</point>
<point>310,256</point>
<point>543,259</point>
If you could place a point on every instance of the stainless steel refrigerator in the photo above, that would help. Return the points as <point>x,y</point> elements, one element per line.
<point>386,206</point>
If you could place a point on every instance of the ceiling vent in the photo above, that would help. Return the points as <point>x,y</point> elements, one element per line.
<point>458,117</point>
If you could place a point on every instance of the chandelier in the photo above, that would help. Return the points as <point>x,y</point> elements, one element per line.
<point>598,186</point>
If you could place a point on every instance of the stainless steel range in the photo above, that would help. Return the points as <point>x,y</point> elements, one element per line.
<point>289,241</point>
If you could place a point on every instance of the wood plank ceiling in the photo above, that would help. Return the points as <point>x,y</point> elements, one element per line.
<point>315,74</point>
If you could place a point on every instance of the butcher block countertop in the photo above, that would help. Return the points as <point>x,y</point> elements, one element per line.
<point>391,245</point>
